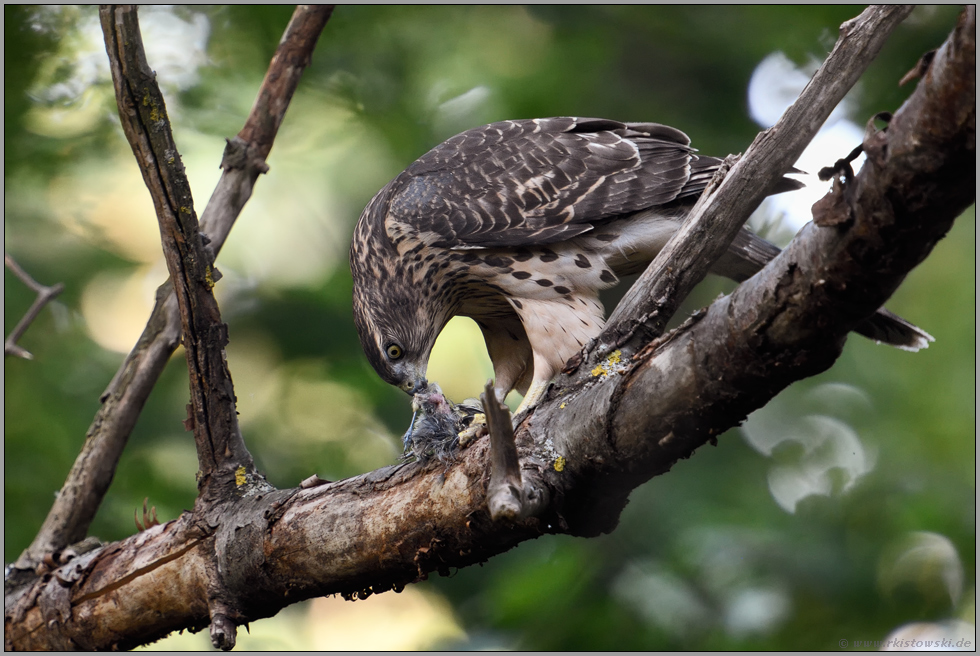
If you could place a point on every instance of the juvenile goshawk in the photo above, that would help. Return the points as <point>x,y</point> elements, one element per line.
<point>518,225</point>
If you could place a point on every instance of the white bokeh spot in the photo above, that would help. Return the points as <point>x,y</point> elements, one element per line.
<point>775,85</point>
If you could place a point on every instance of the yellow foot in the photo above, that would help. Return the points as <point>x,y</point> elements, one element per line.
<point>476,430</point>
<point>534,394</point>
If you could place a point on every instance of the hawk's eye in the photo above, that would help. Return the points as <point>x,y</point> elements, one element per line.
<point>394,352</point>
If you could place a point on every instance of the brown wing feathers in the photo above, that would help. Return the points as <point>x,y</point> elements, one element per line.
<point>540,181</point>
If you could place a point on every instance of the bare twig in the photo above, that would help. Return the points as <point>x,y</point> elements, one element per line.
<point>245,156</point>
<point>44,296</point>
<point>292,56</point>
<point>243,161</point>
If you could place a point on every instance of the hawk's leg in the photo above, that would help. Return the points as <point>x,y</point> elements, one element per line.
<point>556,330</point>
<point>544,370</point>
<point>479,428</point>
<point>534,394</point>
<point>510,352</point>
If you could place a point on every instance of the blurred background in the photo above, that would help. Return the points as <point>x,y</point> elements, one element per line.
<point>844,510</point>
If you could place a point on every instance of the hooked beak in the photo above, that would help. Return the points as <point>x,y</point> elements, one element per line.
<point>414,386</point>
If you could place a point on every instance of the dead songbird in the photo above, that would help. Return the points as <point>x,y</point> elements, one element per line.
<point>437,424</point>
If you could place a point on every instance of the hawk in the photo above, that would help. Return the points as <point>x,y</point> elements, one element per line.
<point>519,225</point>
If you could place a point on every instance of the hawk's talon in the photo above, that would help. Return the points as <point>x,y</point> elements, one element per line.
<point>476,430</point>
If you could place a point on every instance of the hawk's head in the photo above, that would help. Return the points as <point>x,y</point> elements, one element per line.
<point>397,316</point>
<point>396,334</point>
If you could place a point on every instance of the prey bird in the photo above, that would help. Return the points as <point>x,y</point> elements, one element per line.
<point>519,225</point>
<point>438,425</point>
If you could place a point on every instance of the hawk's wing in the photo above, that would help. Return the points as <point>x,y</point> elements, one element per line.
<point>541,181</point>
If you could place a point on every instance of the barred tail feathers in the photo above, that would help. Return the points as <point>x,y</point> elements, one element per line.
<point>888,328</point>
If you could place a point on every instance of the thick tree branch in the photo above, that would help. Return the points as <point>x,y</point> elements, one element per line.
<point>45,295</point>
<point>631,420</point>
<point>789,321</point>
<point>243,161</point>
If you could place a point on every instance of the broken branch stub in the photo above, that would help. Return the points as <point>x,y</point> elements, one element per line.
<point>510,495</point>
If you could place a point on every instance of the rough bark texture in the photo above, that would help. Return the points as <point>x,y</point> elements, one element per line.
<point>609,429</point>
<point>143,114</point>
<point>652,300</point>
<point>243,161</point>
<point>789,321</point>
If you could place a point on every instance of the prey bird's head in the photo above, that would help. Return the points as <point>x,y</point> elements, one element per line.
<point>397,310</point>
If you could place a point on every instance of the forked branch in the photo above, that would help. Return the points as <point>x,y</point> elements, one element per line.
<point>45,295</point>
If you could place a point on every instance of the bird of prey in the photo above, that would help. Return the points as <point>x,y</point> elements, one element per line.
<point>519,225</point>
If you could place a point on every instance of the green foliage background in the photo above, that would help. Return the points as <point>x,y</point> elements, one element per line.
<point>705,557</point>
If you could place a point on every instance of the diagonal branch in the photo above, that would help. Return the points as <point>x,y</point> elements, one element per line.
<point>650,303</point>
<point>789,321</point>
<point>143,115</point>
<point>243,161</point>
<point>45,295</point>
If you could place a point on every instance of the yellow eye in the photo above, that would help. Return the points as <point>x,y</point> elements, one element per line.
<point>394,352</point>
